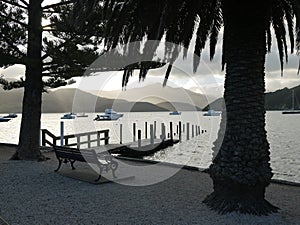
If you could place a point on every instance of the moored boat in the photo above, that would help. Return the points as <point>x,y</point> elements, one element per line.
<point>212,112</point>
<point>2,119</point>
<point>292,110</point>
<point>175,113</point>
<point>109,114</point>
<point>68,116</point>
<point>81,115</point>
<point>11,115</point>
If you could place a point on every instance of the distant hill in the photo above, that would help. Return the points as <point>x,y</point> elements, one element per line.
<point>282,99</point>
<point>157,94</point>
<point>149,98</point>
<point>62,100</point>
<point>179,106</point>
<point>153,98</point>
<point>217,105</point>
<point>278,100</point>
<point>11,101</point>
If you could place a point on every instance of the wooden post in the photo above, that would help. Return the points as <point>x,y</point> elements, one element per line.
<point>61,133</point>
<point>183,128</point>
<point>106,137</point>
<point>78,142</point>
<point>193,134</point>
<point>134,132</point>
<point>98,138</point>
<point>179,131</point>
<point>154,130</point>
<point>151,136</point>
<point>139,139</point>
<point>146,130</point>
<point>187,131</point>
<point>163,132</point>
<point>121,128</point>
<point>171,131</point>
<point>89,140</point>
<point>41,137</point>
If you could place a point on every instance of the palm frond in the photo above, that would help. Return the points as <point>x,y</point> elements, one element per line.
<point>217,23</point>
<point>289,15</point>
<point>269,39</point>
<point>296,7</point>
<point>279,28</point>
<point>206,22</point>
<point>178,20</point>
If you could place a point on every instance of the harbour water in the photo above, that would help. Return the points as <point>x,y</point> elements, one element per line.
<point>282,130</point>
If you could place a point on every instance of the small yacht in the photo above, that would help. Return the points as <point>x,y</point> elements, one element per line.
<point>292,110</point>
<point>175,113</point>
<point>109,114</point>
<point>2,119</point>
<point>81,115</point>
<point>212,112</point>
<point>11,115</point>
<point>68,116</point>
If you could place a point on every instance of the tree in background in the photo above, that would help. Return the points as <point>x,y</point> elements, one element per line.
<point>56,51</point>
<point>241,169</point>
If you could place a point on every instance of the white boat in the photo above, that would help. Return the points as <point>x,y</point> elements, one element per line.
<point>11,115</point>
<point>109,114</point>
<point>68,116</point>
<point>81,115</point>
<point>2,119</point>
<point>212,112</point>
<point>292,111</point>
<point>175,113</point>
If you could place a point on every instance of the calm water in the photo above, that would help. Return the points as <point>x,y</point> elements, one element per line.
<point>283,131</point>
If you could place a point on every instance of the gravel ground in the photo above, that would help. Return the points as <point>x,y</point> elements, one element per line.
<point>31,193</point>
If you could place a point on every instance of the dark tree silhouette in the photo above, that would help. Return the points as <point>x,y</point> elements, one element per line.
<point>51,50</point>
<point>241,169</point>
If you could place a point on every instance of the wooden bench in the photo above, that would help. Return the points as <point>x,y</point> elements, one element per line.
<point>103,160</point>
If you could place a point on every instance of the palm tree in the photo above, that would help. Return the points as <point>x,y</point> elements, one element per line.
<point>241,169</point>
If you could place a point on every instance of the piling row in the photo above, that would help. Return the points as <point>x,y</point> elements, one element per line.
<point>180,128</point>
<point>137,136</point>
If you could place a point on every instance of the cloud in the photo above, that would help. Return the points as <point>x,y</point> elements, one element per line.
<point>209,76</point>
<point>13,72</point>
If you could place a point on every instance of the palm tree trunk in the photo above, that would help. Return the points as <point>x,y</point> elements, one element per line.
<point>31,113</point>
<point>241,170</point>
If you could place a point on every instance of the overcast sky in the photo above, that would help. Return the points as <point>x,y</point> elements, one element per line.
<point>209,78</point>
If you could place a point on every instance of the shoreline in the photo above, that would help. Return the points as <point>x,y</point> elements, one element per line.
<point>187,167</point>
<point>33,194</point>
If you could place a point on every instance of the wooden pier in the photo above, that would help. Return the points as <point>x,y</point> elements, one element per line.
<point>138,148</point>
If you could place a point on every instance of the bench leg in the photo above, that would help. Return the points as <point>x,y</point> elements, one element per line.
<point>59,165</point>
<point>114,173</point>
<point>72,164</point>
<point>100,172</point>
<point>113,167</point>
<point>98,178</point>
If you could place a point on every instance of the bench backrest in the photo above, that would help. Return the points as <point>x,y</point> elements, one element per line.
<point>89,156</point>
